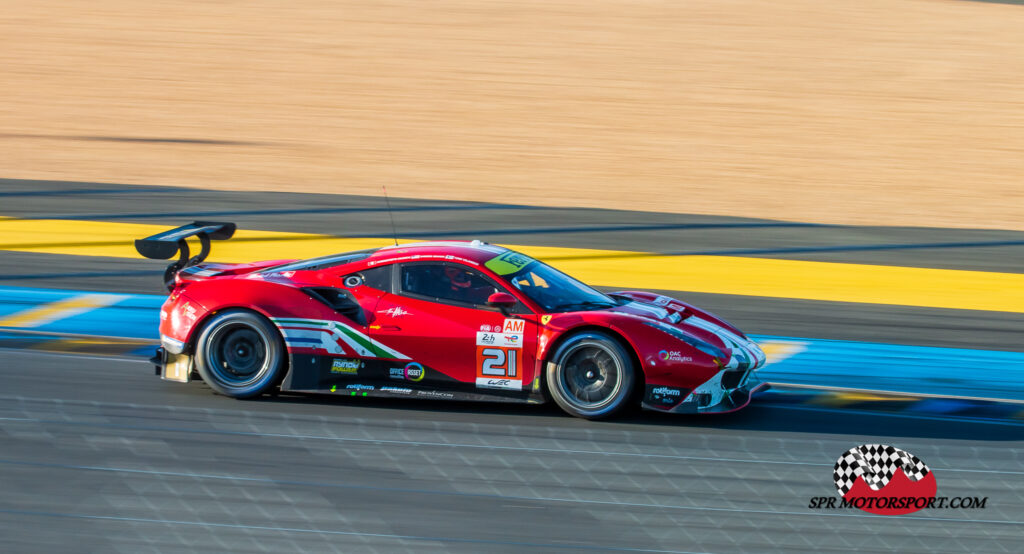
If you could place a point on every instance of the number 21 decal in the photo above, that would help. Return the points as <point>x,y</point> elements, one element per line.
<point>499,368</point>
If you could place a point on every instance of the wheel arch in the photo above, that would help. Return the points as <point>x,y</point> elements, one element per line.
<point>201,328</point>
<point>619,336</point>
<point>200,324</point>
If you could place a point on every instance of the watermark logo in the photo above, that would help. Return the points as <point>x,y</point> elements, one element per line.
<point>871,474</point>
<point>885,480</point>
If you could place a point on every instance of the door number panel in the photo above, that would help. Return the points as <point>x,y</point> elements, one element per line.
<point>499,360</point>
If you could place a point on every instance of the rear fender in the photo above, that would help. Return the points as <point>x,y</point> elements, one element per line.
<point>272,300</point>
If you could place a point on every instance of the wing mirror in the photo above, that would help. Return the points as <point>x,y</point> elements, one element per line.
<point>502,300</point>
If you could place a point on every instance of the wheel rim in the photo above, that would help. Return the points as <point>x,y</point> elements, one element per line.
<point>238,355</point>
<point>591,376</point>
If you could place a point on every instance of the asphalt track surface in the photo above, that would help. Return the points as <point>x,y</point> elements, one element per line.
<point>147,466</point>
<point>100,456</point>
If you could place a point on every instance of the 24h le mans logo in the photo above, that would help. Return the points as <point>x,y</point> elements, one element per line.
<point>884,480</point>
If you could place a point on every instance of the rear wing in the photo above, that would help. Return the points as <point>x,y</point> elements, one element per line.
<point>163,246</point>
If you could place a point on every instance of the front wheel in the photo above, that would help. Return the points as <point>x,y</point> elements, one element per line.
<point>591,375</point>
<point>240,354</point>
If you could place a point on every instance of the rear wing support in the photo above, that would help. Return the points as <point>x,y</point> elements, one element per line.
<point>163,246</point>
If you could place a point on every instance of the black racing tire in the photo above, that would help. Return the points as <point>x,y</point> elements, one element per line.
<point>239,353</point>
<point>591,375</point>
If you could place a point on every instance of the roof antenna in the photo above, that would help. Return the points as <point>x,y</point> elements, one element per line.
<point>394,229</point>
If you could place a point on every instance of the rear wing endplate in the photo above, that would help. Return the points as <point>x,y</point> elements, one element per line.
<point>163,246</point>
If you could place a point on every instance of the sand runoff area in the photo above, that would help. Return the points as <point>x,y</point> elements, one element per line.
<point>890,112</point>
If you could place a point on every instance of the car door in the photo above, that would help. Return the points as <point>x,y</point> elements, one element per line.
<point>437,315</point>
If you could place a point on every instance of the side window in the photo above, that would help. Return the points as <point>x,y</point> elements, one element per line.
<point>446,282</point>
<point>378,277</point>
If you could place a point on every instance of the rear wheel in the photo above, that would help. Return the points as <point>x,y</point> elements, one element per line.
<point>240,354</point>
<point>591,375</point>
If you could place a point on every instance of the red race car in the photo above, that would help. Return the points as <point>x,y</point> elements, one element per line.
<point>451,320</point>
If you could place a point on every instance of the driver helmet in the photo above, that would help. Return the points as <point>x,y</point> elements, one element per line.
<point>457,276</point>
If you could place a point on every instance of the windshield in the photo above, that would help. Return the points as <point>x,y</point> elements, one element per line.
<point>556,291</point>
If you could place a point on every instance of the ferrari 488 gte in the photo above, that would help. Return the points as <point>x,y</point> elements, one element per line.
<point>440,320</point>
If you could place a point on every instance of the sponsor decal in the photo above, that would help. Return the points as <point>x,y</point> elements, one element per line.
<point>414,372</point>
<point>674,356</point>
<point>885,480</point>
<point>485,328</point>
<point>508,263</point>
<point>395,312</point>
<point>544,319</point>
<point>499,359</point>
<point>359,387</point>
<point>189,311</point>
<point>415,257</point>
<point>434,394</point>
<point>334,388</point>
<point>514,326</point>
<point>396,390</point>
<point>705,347</point>
<point>665,396</point>
<point>499,367</point>
<point>499,339</point>
<point>677,307</point>
<point>486,339</point>
<point>345,366</point>
<point>662,300</point>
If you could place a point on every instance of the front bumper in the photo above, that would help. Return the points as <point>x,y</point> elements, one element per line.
<point>727,391</point>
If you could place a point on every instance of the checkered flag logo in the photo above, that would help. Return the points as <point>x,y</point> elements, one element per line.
<point>876,464</point>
